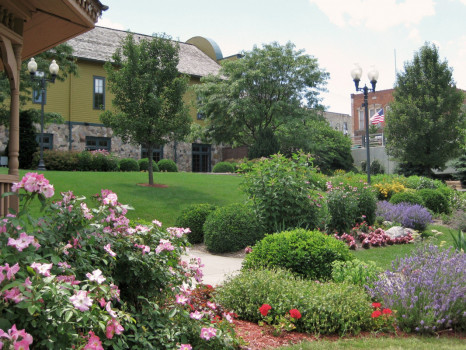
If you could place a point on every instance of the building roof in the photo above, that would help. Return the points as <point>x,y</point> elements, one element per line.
<point>100,43</point>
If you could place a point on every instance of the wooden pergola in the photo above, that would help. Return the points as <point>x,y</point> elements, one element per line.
<point>27,28</point>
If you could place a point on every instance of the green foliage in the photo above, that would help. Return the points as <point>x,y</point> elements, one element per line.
<point>424,122</point>
<point>129,164</point>
<point>326,308</point>
<point>407,197</point>
<point>144,165</point>
<point>265,144</point>
<point>59,160</point>
<point>265,89</point>
<point>459,242</point>
<point>460,167</point>
<point>223,167</point>
<point>343,210</point>
<point>103,161</point>
<point>231,228</point>
<point>420,182</point>
<point>376,167</point>
<point>356,272</point>
<point>194,217</point>
<point>148,93</point>
<point>307,253</point>
<point>167,165</point>
<point>27,138</point>
<point>435,200</point>
<point>284,192</point>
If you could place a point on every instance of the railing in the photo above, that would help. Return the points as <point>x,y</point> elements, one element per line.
<point>6,181</point>
<point>375,140</point>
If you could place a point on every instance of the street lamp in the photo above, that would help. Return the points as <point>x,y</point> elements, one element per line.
<point>40,77</point>
<point>373,75</point>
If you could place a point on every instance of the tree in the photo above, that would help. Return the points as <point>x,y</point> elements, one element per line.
<point>265,89</point>
<point>148,93</point>
<point>424,121</point>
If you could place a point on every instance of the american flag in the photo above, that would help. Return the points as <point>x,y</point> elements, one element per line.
<point>378,117</point>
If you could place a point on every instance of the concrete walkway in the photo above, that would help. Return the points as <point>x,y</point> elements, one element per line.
<point>216,268</point>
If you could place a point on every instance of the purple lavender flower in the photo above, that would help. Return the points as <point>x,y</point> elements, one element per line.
<point>428,288</point>
<point>408,215</point>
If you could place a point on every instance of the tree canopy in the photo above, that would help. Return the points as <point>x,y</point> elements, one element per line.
<point>265,89</point>
<point>424,122</point>
<point>148,93</point>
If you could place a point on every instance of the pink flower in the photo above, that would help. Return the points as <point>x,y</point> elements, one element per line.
<point>13,294</point>
<point>22,242</point>
<point>111,199</point>
<point>15,335</point>
<point>81,301</point>
<point>96,276</point>
<point>94,342</point>
<point>196,315</point>
<point>207,333</point>
<point>110,311</point>
<point>211,305</point>
<point>10,271</point>
<point>109,250</point>
<point>181,299</point>
<point>164,244</point>
<point>157,223</point>
<point>64,265</point>
<point>43,269</point>
<point>113,327</point>
<point>185,347</point>
<point>145,248</point>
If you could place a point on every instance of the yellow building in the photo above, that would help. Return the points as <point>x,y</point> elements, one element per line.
<point>81,99</point>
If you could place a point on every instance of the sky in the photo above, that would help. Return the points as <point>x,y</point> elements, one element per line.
<point>338,33</point>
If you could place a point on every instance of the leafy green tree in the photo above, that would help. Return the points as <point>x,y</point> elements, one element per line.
<point>148,93</point>
<point>424,121</point>
<point>265,145</point>
<point>265,89</point>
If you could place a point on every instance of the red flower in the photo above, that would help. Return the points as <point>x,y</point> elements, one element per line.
<point>376,314</point>
<point>264,309</point>
<point>376,305</point>
<point>387,311</point>
<point>295,314</point>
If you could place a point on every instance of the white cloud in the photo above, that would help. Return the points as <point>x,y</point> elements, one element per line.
<point>376,14</point>
<point>105,22</point>
<point>414,35</point>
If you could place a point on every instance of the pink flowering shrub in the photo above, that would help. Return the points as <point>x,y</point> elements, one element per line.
<point>85,277</point>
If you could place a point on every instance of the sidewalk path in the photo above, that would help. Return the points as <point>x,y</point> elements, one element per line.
<point>216,268</point>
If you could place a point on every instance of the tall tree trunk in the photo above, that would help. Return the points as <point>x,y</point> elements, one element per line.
<point>151,171</point>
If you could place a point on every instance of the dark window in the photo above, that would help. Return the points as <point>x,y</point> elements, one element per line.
<point>201,158</point>
<point>99,93</point>
<point>94,143</point>
<point>48,140</point>
<point>37,96</point>
<point>157,152</point>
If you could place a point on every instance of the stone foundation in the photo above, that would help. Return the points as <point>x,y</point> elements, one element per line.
<point>179,152</point>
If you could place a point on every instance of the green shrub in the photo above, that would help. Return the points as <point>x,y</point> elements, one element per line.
<point>283,191</point>
<point>420,182</point>
<point>307,253</point>
<point>129,164</point>
<point>231,228</point>
<point>265,145</point>
<point>343,209</point>
<point>167,165</point>
<point>356,272</point>
<point>194,217</point>
<point>376,167</point>
<point>407,197</point>
<point>59,160</point>
<point>326,308</point>
<point>435,200</point>
<point>144,165</point>
<point>223,167</point>
<point>85,161</point>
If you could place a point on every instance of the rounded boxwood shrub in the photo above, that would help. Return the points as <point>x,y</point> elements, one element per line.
<point>435,200</point>
<point>194,217</point>
<point>223,167</point>
<point>144,165</point>
<point>129,164</point>
<point>307,253</point>
<point>231,228</point>
<point>411,197</point>
<point>167,165</point>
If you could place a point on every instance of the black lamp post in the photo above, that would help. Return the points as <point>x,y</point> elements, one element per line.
<point>40,77</point>
<point>373,75</point>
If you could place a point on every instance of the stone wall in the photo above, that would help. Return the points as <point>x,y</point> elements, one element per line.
<point>180,152</point>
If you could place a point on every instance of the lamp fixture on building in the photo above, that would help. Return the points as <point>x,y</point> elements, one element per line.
<point>373,76</point>
<point>40,77</point>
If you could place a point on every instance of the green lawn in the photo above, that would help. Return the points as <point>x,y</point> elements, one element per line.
<point>163,204</point>
<point>410,343</point>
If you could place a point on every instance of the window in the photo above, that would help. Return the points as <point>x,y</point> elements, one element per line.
<point>201,158</point>
<point>94,143</point>
<point>99,93</point>
<point>361,119</point>
<point>345,128</point>
<point>37,96</point>
<point>48,140</point>
<point>157,152</point>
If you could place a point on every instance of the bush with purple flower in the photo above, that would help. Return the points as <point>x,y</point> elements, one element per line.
<point>408,215</point>
<point>427,289</point>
